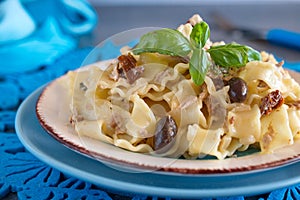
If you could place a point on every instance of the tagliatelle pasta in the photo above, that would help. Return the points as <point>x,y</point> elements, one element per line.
<point>126,107</point>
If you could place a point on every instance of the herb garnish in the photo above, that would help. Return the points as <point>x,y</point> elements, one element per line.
<point>233,55</point>
<point>172,42</point>
<point>164,41</point>
<point>199,62</point>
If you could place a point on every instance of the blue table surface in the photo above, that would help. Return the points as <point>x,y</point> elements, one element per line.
<point>18,182</point>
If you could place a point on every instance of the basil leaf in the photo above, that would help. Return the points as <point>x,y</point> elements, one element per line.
<point>198,66</point>
<point>233,55</point>
<point>253,54</point>
<point>200,34</point>
<point>164,41</point>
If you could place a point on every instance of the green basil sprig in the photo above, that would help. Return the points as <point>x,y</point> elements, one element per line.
<point>233,55</point>
<point>200,35</point>
<point>199,62</point>
<point>164,41</point>
<point>172,42</point>
<point>198,65</point>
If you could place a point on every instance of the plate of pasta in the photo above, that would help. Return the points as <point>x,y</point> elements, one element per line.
<point>177,102</point>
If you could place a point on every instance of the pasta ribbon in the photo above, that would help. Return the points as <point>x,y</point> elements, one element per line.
<point>108,107</point>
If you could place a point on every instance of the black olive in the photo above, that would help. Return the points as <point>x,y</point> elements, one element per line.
<point>165,132</point>
<point>237,90</point>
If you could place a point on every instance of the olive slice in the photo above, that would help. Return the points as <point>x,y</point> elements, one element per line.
<point>238,90</point>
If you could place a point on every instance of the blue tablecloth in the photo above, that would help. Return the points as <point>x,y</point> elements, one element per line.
<point>29,178</point>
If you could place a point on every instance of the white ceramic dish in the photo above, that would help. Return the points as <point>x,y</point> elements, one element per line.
<point>54,115</point>
<point>174,185</point>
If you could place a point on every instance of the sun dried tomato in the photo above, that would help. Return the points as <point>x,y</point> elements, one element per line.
<point>166,130</point>
<point>127,68</point>
<point>271,102</point>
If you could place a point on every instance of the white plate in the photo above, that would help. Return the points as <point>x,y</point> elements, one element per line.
<point>52,152</point>
<point>54,115</point>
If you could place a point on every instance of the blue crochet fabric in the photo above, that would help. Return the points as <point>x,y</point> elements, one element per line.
<point>29,178</point>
